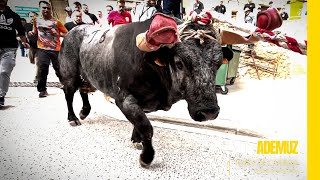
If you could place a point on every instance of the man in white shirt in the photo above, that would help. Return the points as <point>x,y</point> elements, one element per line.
<point>145,10</point>
<point>103,20</point>
<point>68,10</point>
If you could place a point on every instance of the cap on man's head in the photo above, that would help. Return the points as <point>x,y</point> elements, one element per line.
<point>68,9</point>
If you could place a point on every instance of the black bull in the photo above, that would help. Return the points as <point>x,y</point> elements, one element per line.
<point>113,64</point>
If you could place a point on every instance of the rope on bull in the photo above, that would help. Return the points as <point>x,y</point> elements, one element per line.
<point>198,34</point>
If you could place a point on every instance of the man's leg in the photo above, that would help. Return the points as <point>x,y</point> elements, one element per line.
<point>7,63</point>
<point>43,62</point>
<point>176,9</point>
<point>55,63</point>
<point>167,7</point>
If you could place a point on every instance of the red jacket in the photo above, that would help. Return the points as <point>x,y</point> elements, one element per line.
<point>115,17</point>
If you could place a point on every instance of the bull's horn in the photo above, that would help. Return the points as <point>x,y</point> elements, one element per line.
<point>143,45</point>
<point>158,62</point>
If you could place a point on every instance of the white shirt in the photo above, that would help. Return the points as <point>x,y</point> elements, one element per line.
<point>143,12</point>
<point>69,19</point>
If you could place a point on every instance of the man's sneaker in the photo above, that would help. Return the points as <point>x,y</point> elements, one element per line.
<point>1,101</point>
<point>43,94</point>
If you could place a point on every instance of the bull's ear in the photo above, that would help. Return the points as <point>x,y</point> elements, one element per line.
<point>227,53</point>
<point>155,58</point>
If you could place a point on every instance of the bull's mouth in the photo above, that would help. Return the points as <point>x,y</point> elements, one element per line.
<point>206,115</point>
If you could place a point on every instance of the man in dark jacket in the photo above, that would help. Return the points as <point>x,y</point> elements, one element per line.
<point>220,8</point>
<point>10,22</point>
<point>284,15</point>
<point>198,6</point>
<point>249,5</point>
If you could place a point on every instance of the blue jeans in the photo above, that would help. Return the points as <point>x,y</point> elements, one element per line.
<point>7,63</point>
<point>172,7</point>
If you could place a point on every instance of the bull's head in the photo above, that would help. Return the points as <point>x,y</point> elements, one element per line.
<point>193,64</point>
<point>193,70</point>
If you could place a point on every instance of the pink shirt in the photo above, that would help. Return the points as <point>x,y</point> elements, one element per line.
<point>116,18</point>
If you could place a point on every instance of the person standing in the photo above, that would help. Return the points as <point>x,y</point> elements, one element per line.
<point>32,40</point>
<point>93,17</point>
<point>284,15</point>
<point>49,31</point>
<point>121,16</point>
<point>68,10</point>
<point>103,20</point>
<point>146,10</point>
<point>249,17</point>
<point>85,18</point>
<point>77,20</point>
<point>249,5</point>
<point>23,50</point>
<point>198,6</point>
<point>10,23</point>
<point>109,10</point>
<point>220,8</point>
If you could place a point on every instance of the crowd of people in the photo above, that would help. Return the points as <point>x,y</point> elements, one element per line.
<point>42,34</point>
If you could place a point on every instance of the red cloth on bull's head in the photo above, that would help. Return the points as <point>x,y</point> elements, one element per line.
<point>163,30</point>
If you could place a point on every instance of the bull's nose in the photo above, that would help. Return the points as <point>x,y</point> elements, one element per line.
<point>207,114</point>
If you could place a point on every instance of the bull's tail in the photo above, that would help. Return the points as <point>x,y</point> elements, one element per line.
<point>69,58</point>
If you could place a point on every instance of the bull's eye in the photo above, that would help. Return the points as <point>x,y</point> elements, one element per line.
<point>179,65</point>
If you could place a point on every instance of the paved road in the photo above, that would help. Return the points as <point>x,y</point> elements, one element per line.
<point>37,143</point>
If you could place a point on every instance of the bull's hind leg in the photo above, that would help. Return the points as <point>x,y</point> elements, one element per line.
<point>129,107</point>
<point>85,107</point>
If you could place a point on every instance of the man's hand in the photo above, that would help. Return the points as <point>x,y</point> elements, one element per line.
<point>26,45</point>
<point>30,33</point>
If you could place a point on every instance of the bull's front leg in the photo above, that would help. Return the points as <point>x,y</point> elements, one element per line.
<point>129,107</point>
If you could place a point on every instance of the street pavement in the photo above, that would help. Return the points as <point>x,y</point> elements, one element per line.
<point>37,142</point>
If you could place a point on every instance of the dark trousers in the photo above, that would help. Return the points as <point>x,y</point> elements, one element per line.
<point>172,7</point>
<point>44,57</point>
<point>22,49</point>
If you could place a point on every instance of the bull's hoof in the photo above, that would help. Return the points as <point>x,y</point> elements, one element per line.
<point>84,113</point>
<point>146,159</point>
<point>137,145</point>
<point>75,123</point>
<point>144,165</point>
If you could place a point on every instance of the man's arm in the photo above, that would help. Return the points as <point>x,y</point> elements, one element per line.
<point>34,28</point>
<point>62,30</point>
<point>21,32</point>
<point>95,19</point>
